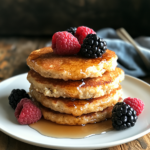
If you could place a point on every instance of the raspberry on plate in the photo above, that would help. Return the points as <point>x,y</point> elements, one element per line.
<point>26,112</point>
<point>82,32</point>
<point>64,43</point>
<point>136,104</point>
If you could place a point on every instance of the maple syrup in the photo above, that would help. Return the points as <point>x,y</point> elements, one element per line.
<point>51,129</point>
<point>51,65</point>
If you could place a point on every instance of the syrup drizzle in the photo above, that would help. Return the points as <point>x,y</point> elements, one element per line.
<point>51,129</point>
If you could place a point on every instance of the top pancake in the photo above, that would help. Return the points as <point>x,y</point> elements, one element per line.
<point>50,65</point>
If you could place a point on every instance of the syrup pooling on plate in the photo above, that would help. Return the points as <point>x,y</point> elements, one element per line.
<point>51,129</point>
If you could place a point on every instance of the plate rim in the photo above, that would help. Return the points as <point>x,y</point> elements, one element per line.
<point>96,146</point>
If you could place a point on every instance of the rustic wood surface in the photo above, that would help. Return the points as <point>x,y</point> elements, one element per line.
<point>13,54</point>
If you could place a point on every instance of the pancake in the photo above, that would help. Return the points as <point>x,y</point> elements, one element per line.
<point>50,65</point>
<point>67,119</point>
<point>78,107</point>
<point>87,88</point>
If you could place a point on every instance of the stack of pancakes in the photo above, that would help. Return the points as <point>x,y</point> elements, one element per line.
<point>73,90</point>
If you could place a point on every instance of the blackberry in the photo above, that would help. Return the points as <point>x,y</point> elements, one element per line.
<point>93,46</point>
<point>72,30</point>
<point>123,116</point>
<point>15,97</point>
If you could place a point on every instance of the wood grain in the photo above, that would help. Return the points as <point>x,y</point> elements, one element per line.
<point>13,54</point>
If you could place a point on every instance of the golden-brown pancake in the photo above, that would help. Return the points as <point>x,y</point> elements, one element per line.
<point>50,65</point>
<point>67,119</point>
<point>87,88</point>
<point>77,107</point>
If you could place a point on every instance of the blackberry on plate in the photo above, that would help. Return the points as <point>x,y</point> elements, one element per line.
<point>15,97</point>
<point>72,30</point>
<point>123,116</point>
<point>93,46</point>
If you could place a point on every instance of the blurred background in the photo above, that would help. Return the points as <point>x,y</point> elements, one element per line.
<point>44,17</point>
<point>28,25</point>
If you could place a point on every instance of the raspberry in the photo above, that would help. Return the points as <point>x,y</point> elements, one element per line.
<point>64,43</point>
<point>82,32</point>
<point>26,112</point>
<point>136,104</point>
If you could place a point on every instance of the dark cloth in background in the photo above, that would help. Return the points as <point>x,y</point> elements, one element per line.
<point>128,58</point>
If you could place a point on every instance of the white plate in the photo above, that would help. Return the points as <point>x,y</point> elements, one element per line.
<point>131,87</point>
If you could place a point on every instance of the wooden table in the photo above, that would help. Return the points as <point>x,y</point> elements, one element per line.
<point>13,54</point>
